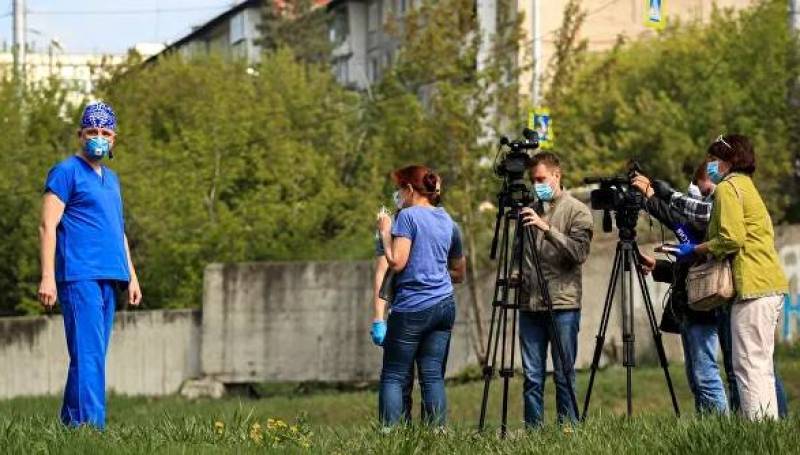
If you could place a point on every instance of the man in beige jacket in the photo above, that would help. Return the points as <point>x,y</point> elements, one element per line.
<point>562,233</point>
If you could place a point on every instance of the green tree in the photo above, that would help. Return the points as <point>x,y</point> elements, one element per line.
<point>37,133</point>
<point>435,107</point>
<point>662,100</point>
<point>301,25</point>
<point>222,165</point>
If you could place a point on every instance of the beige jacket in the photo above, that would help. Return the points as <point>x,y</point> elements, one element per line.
<point>562,251</point>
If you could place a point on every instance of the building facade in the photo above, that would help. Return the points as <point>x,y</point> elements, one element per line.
<point>234,33</point>
<point>605,22</point>
<point>363,48</point>
<point>77,72</point>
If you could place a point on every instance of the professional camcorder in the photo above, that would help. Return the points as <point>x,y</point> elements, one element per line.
<point>513,160</point>
<point>616,194</point>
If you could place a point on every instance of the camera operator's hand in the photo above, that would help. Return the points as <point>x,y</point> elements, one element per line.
<point>531,218</point>
<point>642,184</point>
<point>648,263</point>
<point>663,190</point>
<point>378,332</point>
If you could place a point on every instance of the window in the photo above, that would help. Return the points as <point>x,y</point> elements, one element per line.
<point>402,6</point>
<point>239,50</point>
<point>341,71</point>
<point>374,69</point>
<point>386,11</point>
<point>339,27</point>
<point>373,17</point>
<point>237,24</point>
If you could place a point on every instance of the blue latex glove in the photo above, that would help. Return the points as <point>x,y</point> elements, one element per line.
<point>378,332</point>
<point>685,250</point>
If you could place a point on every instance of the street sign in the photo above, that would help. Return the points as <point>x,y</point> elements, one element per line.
<point>539,120</point>
<point>655,16</point>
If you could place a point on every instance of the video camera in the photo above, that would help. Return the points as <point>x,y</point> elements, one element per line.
<point>512,163</point>
<point>616,194</point>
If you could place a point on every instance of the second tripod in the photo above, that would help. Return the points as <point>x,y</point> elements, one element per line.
<point>627,264</point>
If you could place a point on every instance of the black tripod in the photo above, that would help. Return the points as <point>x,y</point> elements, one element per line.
<point>510,204</point>
<point>627,262</point>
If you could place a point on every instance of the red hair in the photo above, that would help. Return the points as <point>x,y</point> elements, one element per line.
<point>422,179</point>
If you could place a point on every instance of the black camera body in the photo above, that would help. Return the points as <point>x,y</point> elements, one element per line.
<point>616,194</point>
<point>511,166</point>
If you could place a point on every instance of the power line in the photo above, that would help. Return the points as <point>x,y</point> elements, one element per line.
<point>122,12</point>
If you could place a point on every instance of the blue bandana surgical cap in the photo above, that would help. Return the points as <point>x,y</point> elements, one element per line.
<point>99,115</point>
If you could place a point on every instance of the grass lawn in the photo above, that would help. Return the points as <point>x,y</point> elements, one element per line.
<point>327,421</point>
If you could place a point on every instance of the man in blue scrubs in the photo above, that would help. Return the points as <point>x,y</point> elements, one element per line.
<point>85,260</point>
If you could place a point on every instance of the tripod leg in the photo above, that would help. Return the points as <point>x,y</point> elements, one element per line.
<point>601,333</point>
<point>628,324</point>
<point>504,373</point>
<point>657,339</point>
<point>488,367</point>
<point>508,368</point>
<point>498,309</point>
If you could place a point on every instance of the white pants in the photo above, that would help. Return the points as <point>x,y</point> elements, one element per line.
<point>753,324</point>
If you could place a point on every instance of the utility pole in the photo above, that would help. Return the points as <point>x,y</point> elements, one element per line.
<point>487,29</point>
<point>536,89</point>
<point>487,22</point>
<point>18,47</point>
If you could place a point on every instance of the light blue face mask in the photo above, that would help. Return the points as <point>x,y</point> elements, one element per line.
<point>97,147</point>
<point>397,198</point>
<point>543,191</point>
<point>712,169</point>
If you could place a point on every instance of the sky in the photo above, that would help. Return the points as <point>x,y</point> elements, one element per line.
<point>108,26</point>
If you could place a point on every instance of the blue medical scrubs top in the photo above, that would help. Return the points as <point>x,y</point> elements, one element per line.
<point>90,239</point>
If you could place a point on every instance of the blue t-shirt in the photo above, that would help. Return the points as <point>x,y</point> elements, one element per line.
<point>425,281</point>
<point>90,239</point>
<point>456,249</point>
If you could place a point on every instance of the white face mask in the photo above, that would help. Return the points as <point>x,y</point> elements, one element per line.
<point>694,192</point>
<point>398,200</point>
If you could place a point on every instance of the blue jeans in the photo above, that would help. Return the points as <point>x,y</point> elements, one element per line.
<point>727,359</point>
<point>88,310</point>
<point>422,337</point>
<point>535,333</point>
<point>700,352</point>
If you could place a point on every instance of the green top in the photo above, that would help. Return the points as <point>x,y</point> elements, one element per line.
<point>741,227</point>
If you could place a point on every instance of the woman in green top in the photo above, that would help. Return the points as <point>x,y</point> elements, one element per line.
<point>741,229</point>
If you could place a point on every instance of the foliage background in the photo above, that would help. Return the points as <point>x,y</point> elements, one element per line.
<point>224,162</point>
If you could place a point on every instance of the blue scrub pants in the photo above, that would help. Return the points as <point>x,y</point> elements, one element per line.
<point>88,309</point>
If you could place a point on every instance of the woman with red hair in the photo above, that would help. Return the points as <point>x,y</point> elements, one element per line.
<point>424,248</point>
